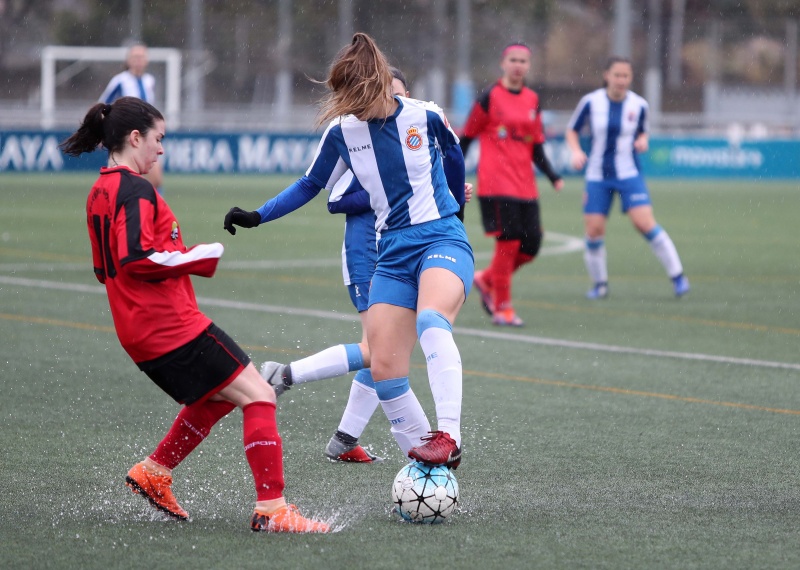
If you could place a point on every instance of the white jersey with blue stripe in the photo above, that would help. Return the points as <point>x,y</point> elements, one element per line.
<point>614,126</point>
<point>126,84</point>
<point>398,161</point>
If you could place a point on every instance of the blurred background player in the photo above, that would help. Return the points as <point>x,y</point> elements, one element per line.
<point>507,121</point>
<point>394,147</point>
<point>617,120</point>
<point>359,255</point>
<point>139,255</point>
<point>135,82</point>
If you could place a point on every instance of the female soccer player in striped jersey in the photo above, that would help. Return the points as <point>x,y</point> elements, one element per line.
<point>617,119</point>
<point>394,147</point>
<point>139,255</point>
<point>359,255</point>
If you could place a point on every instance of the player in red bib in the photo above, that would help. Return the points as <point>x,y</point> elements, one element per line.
<point>507,121</point>
<point>139,255</point>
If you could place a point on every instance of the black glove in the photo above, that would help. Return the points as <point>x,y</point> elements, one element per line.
<point>237,216</point>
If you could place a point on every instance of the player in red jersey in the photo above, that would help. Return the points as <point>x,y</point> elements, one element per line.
<point>507,121</point>
<point>139,254</point>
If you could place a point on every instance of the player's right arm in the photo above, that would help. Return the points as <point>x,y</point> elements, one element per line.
<point>324,172</point>
<point>113,90</point>
<point>572,135</point>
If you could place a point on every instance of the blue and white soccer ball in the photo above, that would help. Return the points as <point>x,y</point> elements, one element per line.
<point>425,494</point>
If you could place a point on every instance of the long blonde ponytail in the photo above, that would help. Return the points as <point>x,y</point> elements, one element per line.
<point>360,82</point>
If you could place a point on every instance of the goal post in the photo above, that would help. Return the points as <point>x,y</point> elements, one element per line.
<point>52,54</point>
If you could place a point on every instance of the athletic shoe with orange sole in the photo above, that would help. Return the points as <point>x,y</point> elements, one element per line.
<point>286,519</point>
<point>439,449</point>
<point>507,318</point>
<point>157,489</point>
<point>485,292</point>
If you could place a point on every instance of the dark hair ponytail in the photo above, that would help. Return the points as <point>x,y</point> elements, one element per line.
<point>616,59</point>
<point>110,125</point>
<point>397,74</point>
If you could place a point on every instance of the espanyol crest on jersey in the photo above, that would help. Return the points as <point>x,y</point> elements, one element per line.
<point>413,140</point>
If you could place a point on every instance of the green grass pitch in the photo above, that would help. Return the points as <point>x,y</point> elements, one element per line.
<point>638,432</point>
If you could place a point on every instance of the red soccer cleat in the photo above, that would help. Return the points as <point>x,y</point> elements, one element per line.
<point>439,449</point>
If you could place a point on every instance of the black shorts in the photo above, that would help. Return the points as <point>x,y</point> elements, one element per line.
<point>510,218</point>
<point>199,368</point>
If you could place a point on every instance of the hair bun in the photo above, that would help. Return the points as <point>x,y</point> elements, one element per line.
<point>106,109</point>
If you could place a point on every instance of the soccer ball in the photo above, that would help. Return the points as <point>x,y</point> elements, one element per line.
<point>424,493</point>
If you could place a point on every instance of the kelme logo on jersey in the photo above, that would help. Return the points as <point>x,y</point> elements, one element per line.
<point>413,138</point>
<point>174,233</point>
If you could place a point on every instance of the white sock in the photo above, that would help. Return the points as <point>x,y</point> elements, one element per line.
<point>594,256</point>
<point>445,377</point>
<point>408,421</point>
<point>360,407</point>
<point>665,251</point>
<point>329,363</point>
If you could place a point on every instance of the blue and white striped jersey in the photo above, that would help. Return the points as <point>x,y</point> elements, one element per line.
<point>398,161</point>
<point>359,249</point>
<point>614,126</point>
<point>126,84</point>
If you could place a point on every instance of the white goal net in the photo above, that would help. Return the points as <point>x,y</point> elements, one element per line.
<point>79,56</point>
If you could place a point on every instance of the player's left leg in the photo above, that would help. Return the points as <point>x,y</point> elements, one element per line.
<point>532,234</point>
<point>264,451</point>
<point>361,404</point>
<point>441,297</point>
<point>636,203</point>
<point>443,288</point>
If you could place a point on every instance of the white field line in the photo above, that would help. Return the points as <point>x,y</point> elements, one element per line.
<point>478,333</point>
<point>566,244</point>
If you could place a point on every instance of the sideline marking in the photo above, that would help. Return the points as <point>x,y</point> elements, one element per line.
<point>479,333</point>
<point>567,244</point>
<point>477,373</point>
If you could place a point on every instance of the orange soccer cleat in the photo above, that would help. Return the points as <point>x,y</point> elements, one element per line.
<point>286,519</point>
<point>507,318</point>
<point>157,489</point>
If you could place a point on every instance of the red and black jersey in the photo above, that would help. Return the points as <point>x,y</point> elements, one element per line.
<point>138,253</point>
<point>508,125</point>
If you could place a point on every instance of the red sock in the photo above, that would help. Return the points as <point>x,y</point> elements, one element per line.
<point>505,255</point>
<point>193,424</point>
<point>264,450</point>
<point>522,259</point>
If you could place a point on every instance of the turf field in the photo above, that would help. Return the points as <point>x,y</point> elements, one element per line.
<point>637,432</point>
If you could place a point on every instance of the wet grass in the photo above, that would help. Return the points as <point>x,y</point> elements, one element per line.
<point>575,457</point>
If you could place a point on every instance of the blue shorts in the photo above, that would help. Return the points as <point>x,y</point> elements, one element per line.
<point>405,253</point>
<point>359,295</point>
<point>599,194</point>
